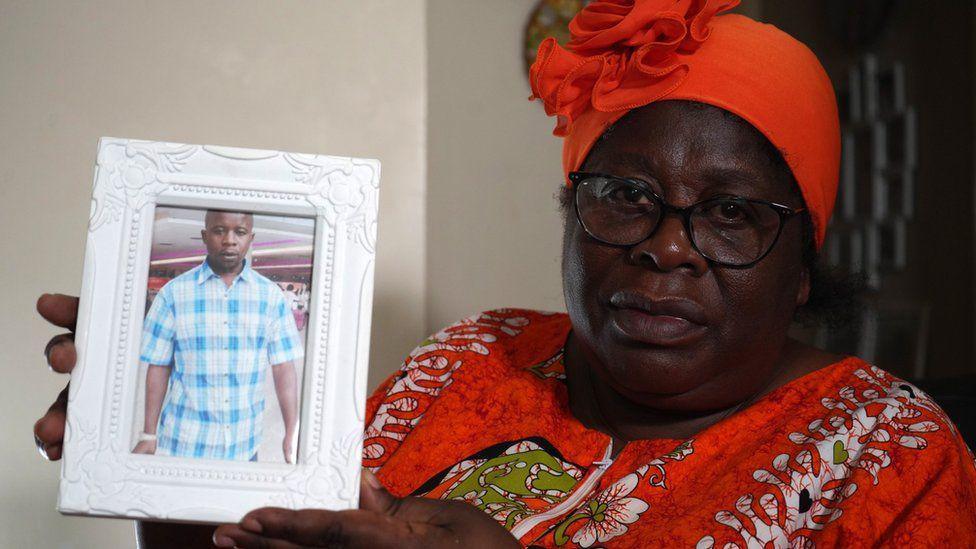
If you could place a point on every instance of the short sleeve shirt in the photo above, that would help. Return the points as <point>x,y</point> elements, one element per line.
<point>219,341</point>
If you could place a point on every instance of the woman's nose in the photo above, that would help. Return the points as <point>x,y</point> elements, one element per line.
<point>669,248</point>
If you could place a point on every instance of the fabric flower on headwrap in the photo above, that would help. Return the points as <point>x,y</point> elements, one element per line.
<point>623,54</point>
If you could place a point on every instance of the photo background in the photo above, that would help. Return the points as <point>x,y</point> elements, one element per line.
<point>281,251</point>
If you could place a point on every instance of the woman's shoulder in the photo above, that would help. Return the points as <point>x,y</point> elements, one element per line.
<point>500,337</point>
<point>853,383</point>
<point>480,348</point>
<point>852,440</point>
<point>905,450</point>
<point>873,401</point>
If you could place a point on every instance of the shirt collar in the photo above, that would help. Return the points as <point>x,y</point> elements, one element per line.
<point>205,272</point>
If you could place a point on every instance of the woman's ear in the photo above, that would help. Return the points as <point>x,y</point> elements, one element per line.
<point>803,290</point>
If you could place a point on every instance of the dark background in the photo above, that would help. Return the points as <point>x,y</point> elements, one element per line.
<point>933,41</point>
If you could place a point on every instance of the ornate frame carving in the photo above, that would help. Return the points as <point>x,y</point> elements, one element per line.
<point>99,476</point>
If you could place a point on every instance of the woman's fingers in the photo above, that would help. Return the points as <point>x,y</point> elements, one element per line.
<point>49,430</point>
<point>319,528</point>
<point>61,310</point>
<point>232,535</point>
<point>373,496</point>
<point>50,452</point>
<point>382,521</point>
<point>58,309</point>
<point>61,354</point>
<point>372,526</point>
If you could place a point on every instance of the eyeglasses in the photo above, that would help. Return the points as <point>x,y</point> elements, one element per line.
<point>727,230</point>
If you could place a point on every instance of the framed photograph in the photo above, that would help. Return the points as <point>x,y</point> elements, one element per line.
<point>223,333</point>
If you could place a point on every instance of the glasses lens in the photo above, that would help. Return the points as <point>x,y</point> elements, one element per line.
<point>734,231</point>
<point>615,210</point>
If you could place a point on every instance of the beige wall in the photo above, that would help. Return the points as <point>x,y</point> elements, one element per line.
<point>493,229</point>
<point>339,77</point>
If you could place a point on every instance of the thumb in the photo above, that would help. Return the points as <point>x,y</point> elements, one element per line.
<point>373,496</point>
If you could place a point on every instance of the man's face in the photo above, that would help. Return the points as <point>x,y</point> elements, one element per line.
<point>228,236</point>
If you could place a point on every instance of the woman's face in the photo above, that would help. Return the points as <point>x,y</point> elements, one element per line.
<point>658,322</point>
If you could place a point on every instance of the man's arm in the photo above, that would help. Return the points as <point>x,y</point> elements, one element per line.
<point>286,388</point>
<point>156,350</point>
<point>157,381</point>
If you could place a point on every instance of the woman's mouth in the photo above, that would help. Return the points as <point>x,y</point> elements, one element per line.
<point>666,322</point>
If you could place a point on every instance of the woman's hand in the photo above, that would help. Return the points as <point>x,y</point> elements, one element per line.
<point>60,310</point>
<point>382,520</point>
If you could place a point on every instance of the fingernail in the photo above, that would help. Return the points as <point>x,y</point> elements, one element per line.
<point>41,447</point>
<point>371,480</point>
<point>251,525</point>
<point>222,541</point>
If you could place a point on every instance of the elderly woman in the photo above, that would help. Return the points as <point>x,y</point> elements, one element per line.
<point>669,407</point>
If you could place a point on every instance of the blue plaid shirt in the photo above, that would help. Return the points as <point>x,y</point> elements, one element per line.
<point>220,342</point>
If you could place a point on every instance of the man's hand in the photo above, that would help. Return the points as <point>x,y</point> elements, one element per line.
<point>287,446</point>
<point>382,520</point>
<point>60,310</point>
<point>145,447</point>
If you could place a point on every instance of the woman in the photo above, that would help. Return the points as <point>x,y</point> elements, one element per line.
<point>669,407</point>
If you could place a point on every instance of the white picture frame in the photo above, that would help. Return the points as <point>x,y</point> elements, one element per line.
<point>99,474</point>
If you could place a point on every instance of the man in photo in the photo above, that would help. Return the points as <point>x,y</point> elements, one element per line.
<point>209,339</point>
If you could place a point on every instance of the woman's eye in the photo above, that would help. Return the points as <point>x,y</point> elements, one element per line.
<point>630,195</point>
<point>730,212</point>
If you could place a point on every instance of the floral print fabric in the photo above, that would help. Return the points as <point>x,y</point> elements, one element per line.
<point>848,455</point>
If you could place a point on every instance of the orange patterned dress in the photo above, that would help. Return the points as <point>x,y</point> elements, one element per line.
<point>845,456</point>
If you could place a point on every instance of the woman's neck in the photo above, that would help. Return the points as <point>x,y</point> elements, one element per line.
<point>598,406</point>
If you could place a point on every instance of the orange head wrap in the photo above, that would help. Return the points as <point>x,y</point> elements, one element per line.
<point>626,54</point>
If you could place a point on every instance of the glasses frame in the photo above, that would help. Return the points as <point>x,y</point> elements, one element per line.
<point>785,214</point>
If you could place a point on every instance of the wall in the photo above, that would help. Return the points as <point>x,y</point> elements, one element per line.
<point>493,229</point>
<point>301,76</point>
